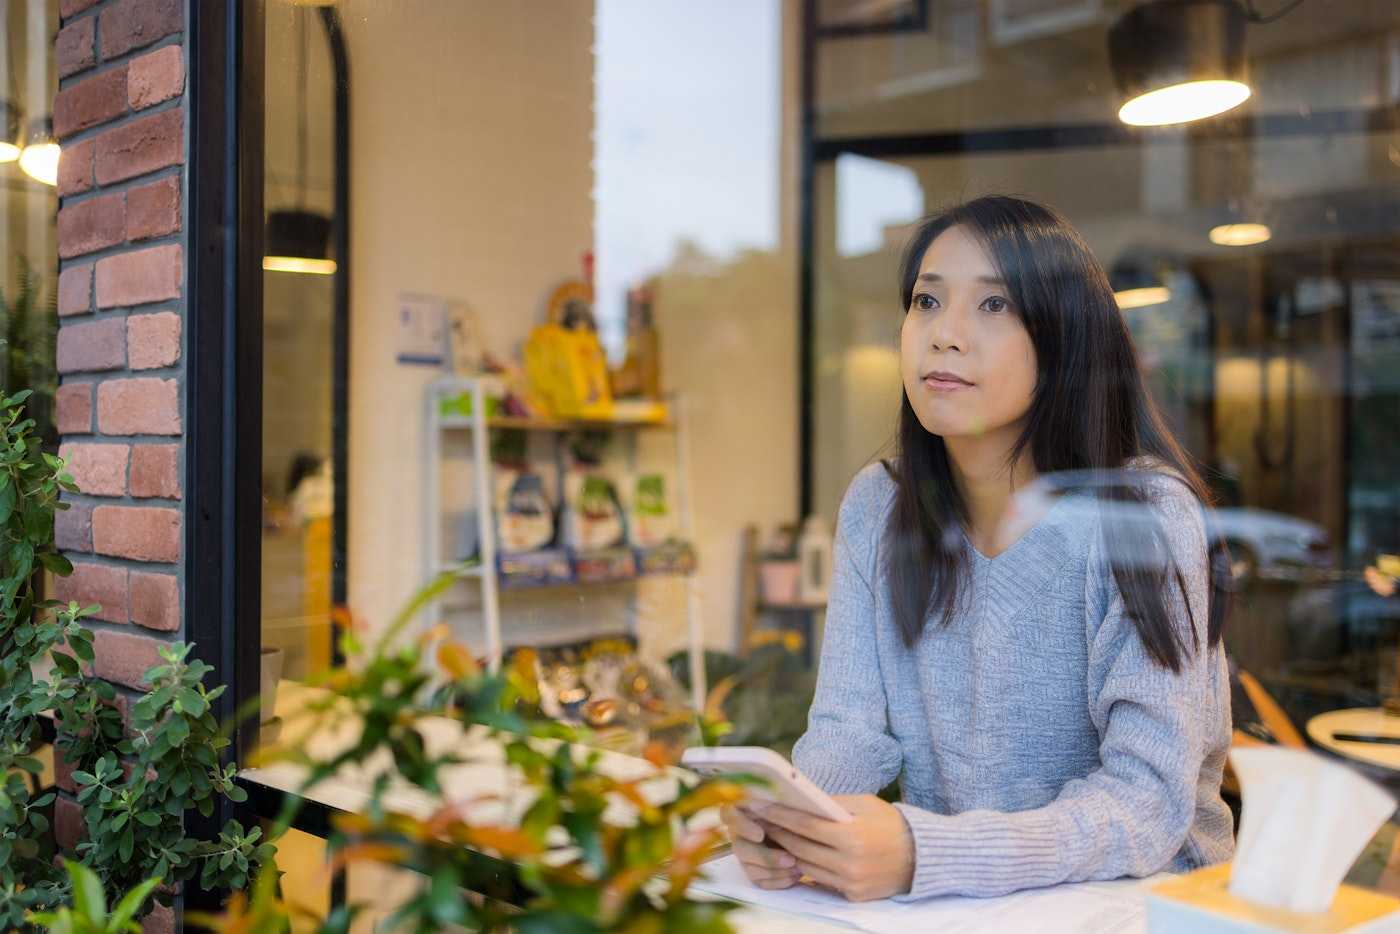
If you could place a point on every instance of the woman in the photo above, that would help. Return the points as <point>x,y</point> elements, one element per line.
<point>1044,677</point>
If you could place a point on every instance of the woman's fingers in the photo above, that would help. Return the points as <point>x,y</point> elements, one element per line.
<point>765,858</point>
<point>823,877</point>
<point>804,849</point>
<point>741,826</point>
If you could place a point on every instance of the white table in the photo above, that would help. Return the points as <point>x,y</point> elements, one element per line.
<point>1323,728</point>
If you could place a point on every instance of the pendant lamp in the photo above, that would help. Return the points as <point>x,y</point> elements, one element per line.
<point>1176,61</point>
<point>298,238</point>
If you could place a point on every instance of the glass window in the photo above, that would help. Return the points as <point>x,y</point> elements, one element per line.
<point>28,204</point>
<point>594,307</point>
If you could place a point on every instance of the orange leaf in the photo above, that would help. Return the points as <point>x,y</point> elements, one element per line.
<point>350,822</point>
<point>507,841</point>
<point>457,661</point>
<point>710,794</point>
<point>369,852</point>
<point>660,754</point>
<point>620,889</point>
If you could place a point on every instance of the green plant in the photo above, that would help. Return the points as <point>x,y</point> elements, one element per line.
<point>135,816</point>
<point>30,629</point>
<point>89,914</point>
<point>30,332</point>
<point>582,870</point>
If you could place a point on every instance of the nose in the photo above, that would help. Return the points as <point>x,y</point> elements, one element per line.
<point>948,329</point>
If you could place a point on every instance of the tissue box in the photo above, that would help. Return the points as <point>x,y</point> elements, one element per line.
<point>1200,903</point>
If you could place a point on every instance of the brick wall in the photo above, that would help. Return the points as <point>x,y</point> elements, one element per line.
<point>120,116</point>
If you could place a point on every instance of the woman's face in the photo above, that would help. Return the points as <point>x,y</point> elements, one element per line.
<point>968,365</point>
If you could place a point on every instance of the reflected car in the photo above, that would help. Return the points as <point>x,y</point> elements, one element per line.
<point>1259,543</point>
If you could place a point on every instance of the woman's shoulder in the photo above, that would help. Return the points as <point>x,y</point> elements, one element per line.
<point>868,497</point>
<point>1164,485</point>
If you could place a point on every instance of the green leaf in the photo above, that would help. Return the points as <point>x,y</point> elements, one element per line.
<point>7,502</point>
<point>88,897</point>
<point>191,702</point>
<point>56,563</point>
<point>553,922</point>
<point>130,904</point>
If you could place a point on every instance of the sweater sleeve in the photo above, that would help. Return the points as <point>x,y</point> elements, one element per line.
<point>1130,816</point>
<point>847,748</point>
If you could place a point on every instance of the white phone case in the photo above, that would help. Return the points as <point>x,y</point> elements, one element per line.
<point>786,786</point>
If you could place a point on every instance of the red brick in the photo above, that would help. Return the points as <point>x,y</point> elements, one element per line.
<point>141,146</point>
<point>155,601</point>
<point>92,345</point>
<point>72,528</point>
<point>63,772</point>
<point>142,533</point>
<point>75,289</point>
<point>67,822</point>
<point>91,225</point>
<point>73,404</point>
<point>155,470</point>
<point>153,340</point>
<point>75,168</point>
<point>98,469</point>
<point>67,8</point>
<point>102,584</point>
<point>153,210</point>
<point>124,657</point>
<point>140,406</point>
<point>131,24</point>
<point>74,48</point>
<point>140,276</point>
<point>161,920</point>
<point>89,102</point>
<point>156,77</point>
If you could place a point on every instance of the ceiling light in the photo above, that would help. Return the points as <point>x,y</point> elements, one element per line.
<point>1240,234</point>
<point>1179,60</point>
<point>39,158</point>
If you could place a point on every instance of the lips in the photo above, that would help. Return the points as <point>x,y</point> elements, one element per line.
<point>943,380</point>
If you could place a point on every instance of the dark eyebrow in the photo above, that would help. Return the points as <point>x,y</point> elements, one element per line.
<point>986,280</point>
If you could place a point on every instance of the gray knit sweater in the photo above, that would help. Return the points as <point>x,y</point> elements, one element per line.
<point>1034,740</point>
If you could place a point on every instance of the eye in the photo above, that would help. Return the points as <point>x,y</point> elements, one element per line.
<point>925,302</point>
<point>996,304</point>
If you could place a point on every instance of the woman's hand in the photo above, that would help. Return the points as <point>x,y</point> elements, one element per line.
<point>869,857</point>
<point>767,867</point>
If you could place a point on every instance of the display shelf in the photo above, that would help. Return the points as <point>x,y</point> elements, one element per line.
<point>553,424</point>
<point>439,424</point>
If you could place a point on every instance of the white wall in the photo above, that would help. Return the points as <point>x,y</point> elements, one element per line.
<point>471,178</point>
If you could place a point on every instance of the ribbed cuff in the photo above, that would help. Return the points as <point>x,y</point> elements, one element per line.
<point>982,853</point>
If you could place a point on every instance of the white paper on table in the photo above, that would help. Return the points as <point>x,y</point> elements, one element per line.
<point>1117,907</point>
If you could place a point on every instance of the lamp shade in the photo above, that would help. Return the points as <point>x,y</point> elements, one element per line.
<point>1137,283</point>
<point>1179,60</point>
<point>297,242</point>
<point>39,157</point>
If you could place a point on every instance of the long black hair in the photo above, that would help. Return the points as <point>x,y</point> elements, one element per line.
<point>1089,412</point>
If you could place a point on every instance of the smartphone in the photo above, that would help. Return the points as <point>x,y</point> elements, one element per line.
<point>786,785</point>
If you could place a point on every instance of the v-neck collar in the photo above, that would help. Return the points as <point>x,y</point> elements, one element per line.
<point>1026,569</point>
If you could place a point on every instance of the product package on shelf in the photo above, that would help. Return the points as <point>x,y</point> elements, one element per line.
<point>593,518</point>
<point>535,568</point>
<point>524,516</point>
<point>651,520</point>
<point>600,565</point>
<point>669,557</point>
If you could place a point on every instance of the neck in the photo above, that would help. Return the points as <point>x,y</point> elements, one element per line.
<point>987,483</point>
